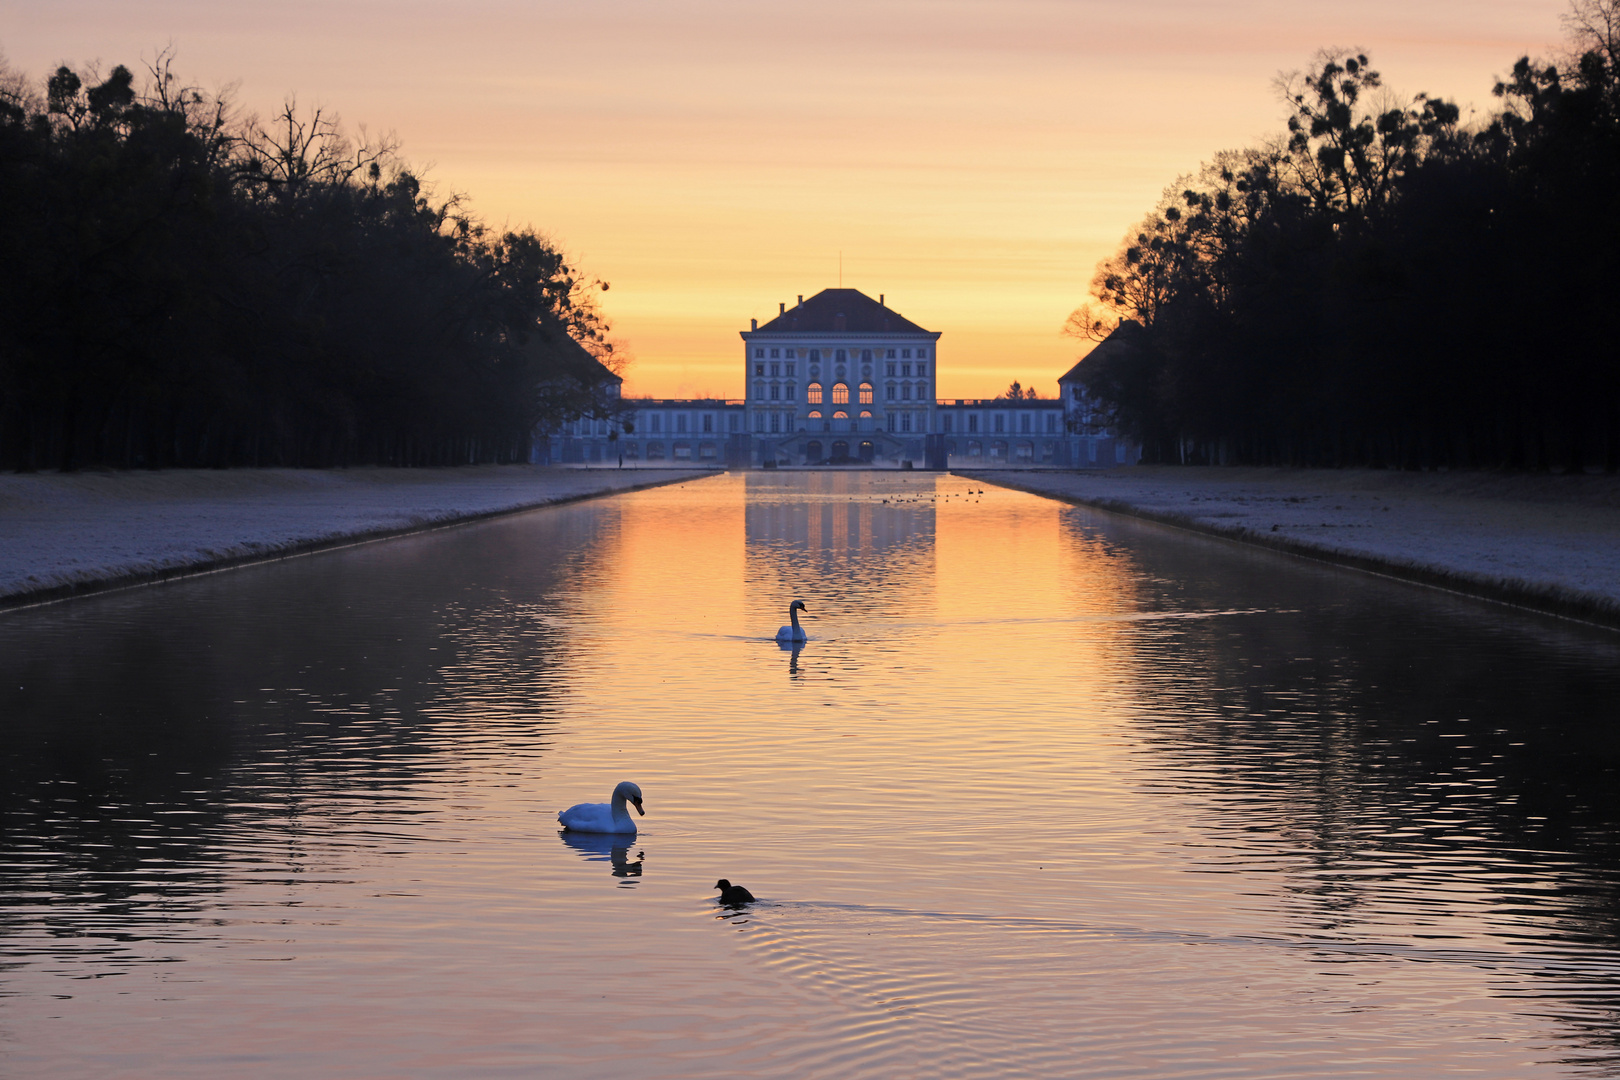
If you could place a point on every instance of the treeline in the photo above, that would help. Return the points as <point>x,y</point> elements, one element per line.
<point>183,287</point>
<point>1383,285</point>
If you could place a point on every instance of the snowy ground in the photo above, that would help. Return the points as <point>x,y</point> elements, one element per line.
<point>1549,542</point>
<point>62,534</point>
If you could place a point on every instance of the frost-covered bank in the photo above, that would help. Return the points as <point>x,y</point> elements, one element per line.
<point>65,534</point>
<point>1546,542</point>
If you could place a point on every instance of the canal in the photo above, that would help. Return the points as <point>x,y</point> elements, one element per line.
<point>1047,793</point>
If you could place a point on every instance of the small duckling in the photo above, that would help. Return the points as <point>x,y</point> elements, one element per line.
<point>733,894</point>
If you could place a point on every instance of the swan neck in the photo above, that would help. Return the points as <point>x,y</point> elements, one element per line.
<point>793,617</point>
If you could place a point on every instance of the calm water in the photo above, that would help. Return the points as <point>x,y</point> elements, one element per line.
<point>1047,794</point>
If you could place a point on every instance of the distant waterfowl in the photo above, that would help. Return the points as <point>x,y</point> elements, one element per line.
<point>605,817</point>
<point>795,632</point>
<point>733,894</point>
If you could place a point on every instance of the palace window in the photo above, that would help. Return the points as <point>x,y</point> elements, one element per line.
<point>680,421</point>
<point>945,422</point>
<point>656,422</point>
<point>708,423</point>
<point>775,353</point>
<point>1001,423</point>
<point>776,423</point>
<point>759,390</point>
<point>866,356</point>
<point>813,393</point>
<point>1023,424</point>
<point>839,356</point>
<point>840,394</point>
<point>890,371</point>
<point>759,421</point>
<point>888,354</point>
<point>815,414</point>
<point>922,354</point>
<point>905,421</point>
<point>759,354</point>
<point>905,354</point>
<point>789,371</point>
<point>776,392</point>
<point>905,392</point>
<point>792,390</point>
<point>736,421</point>
<point>840,415</point>
<point>1051,422</point>
<point>973,422</point>
<point>922,369</point>
<point>866,393</point>
<point>866,414</point>
<point>776,369</point>
<point>759,369</point>
<point>815,354</point>
<point>905,369</point>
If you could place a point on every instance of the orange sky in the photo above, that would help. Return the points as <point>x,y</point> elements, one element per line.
<point>973,160</point>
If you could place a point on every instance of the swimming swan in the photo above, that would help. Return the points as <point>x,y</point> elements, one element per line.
<point>794,632</point>
<point>602,817</point>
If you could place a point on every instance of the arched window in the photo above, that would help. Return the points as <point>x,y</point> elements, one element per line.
<point>840,394</point>
<point>866,414</point>
<point>840,415</point>
<point>815,414</point>
<point>813,393</point>
<point>866,393</point>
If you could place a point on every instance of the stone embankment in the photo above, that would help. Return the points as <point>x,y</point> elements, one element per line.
<point>1551,543</point>
<point>66,534</point>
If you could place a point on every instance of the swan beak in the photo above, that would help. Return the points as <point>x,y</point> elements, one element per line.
<point>639,810</point>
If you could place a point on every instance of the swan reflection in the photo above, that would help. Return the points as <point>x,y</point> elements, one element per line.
<point>609,848</point>
<point>795,648</point>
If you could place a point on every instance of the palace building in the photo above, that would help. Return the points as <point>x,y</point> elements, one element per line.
<point>841,379</point>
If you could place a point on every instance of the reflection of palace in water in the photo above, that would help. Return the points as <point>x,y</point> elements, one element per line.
<point>841,379</point>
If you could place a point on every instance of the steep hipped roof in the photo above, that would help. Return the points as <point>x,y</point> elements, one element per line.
<point>840,311</point>
<point>1122,338</point>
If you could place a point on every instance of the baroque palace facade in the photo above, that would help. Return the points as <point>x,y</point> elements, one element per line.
<point>842,379</point>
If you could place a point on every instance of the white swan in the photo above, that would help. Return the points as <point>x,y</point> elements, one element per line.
<point>794,632</point>
<point>605,817</point>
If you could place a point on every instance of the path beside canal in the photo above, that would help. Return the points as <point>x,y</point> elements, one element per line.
<point>66,534</point>
<point>1551,543</point>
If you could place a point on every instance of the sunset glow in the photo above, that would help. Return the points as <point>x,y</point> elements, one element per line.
<point>971,161</point>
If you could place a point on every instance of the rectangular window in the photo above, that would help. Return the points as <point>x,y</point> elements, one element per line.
<point>759,421</point>
<point>905,421</point>
<point>905,369</point>
<point>1051,423</point>
<point>1001,423</point>
<point>792,392</point>
<point>776,423</point>
<point>680,421</point>
<point>905,391</point>
<point>922,369</point>
<point>866,355</point>
<point>815,355</point>
<point>945,422</point>
<point>759,354</point>
<point>776,369</point>
<point>890,371</point>
<point>708,423</point>
<point>888,392</point>
<point>905,354</point>
<point>736,422</point>
<point>973,422</point>
<point>775,353</point>
<point>776,392</point>
<point>657,421</point>
<point>759,369</point>
<point>789,371</point>
<point>1023,424</point>
<point>888,354</point>
<point>922,354</point>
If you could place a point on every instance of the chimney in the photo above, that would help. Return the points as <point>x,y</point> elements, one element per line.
<point>753,324</point>
<point>880,301</point>
<point>801,299</point>
<point>781,307</point>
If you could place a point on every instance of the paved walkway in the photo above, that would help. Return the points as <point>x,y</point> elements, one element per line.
<point>66,534</point>
<point>1547,542</point>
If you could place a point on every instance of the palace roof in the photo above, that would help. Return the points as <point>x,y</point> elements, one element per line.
<point>840,311</point>
<point>1121,339</point>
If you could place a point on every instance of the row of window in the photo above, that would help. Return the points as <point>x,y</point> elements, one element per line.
<point>840,392</point>
<point>1025,423</point>
<point>839,355</point>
